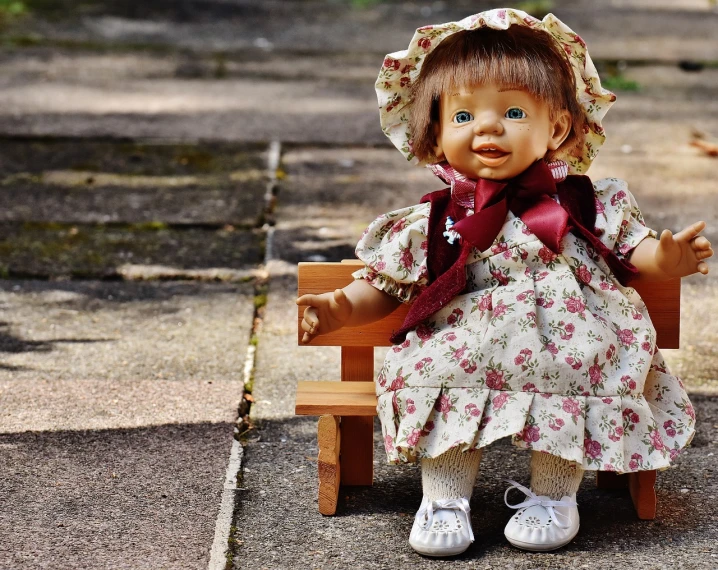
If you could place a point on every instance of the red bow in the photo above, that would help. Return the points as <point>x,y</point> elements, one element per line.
<point>528,196</point>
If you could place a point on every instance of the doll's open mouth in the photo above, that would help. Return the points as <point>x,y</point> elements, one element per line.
<point>492,153</point>
<point>492,156</point>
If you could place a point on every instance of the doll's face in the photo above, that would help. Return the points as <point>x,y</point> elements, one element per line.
<point>494,133</point>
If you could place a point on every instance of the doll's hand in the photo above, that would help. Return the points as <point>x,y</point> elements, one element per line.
<point>683,253</point>
<point>326,313</point>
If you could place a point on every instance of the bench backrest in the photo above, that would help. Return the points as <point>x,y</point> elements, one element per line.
<point>661,298</point>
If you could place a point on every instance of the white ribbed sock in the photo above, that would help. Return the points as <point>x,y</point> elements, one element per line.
<point>553,476</point>
<point>451,475</point>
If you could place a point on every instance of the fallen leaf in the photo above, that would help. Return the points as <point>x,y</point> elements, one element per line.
<point>710,149</point>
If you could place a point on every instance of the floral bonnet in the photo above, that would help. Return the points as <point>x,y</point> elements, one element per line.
<point>401,68</point>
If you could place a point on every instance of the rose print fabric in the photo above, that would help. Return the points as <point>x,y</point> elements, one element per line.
<point>548,349</point>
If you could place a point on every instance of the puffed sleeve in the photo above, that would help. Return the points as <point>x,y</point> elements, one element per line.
<point>393,248</point>
<point>619,217</point>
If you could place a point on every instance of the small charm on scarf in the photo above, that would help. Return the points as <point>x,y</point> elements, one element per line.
<point>559,170</point>
<point>451,235</point>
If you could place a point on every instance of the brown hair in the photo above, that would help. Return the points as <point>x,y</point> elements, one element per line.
<point>519,57</point>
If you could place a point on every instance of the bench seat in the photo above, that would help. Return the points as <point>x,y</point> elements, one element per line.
<point>335,398</point>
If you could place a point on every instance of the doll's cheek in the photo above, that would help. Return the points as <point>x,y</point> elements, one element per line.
<point>437,147</point>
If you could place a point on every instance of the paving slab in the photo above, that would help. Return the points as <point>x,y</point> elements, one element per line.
<point>117,410</point>
<point>143,498</point>
<point>98,355</point>
<point>252,110</point>
<point>102,64</point>
<point>104,208</point>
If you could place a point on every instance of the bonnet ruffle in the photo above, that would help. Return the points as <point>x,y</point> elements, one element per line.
<point>401,68</point>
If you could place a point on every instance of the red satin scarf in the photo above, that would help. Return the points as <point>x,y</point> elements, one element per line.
<point>479,220</point>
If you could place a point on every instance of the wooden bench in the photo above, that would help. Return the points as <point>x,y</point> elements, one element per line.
<point>346,408</point>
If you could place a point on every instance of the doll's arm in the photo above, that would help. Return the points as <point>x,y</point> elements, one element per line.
<point>358,303</point>
<point>672,256</point>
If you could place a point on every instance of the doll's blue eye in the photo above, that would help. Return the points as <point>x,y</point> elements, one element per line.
<point>463,117</point>
<point>515,113</point>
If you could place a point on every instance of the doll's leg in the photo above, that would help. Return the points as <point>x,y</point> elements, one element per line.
<point>451,475</point>
<point>442,526</point>
<point>548,518</point>
<point>554,477</point>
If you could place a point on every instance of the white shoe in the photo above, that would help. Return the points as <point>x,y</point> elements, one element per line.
<point>442,527</point>
<point>541,523</point>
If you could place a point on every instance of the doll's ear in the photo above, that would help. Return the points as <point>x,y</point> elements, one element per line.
<point>438,149</point>
<point>560,130</point>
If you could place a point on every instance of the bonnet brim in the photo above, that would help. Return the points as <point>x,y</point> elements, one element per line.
<point>401,68</point>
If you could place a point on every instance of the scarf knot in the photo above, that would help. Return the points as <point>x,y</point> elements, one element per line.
<point>477,211</point>
<point>486,203</point>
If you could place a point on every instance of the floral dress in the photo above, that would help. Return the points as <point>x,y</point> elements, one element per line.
<point>548,349</point>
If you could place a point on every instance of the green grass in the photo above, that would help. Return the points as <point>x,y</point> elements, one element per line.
<point>364,3</point>
<point>12,8</point>
<point>260,300</point>
<point>619,83</point>
<point>537,8</point>
<point>148,226</point>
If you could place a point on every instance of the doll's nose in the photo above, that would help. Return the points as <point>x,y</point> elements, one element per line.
<point>488,123</point>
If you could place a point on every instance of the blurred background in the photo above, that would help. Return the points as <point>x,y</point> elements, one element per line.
<point>136,133</point>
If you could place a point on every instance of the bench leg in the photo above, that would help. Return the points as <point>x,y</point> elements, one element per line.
<point>358,431</point>
<point>643,492</point>
<point>358,456</point>
<point>329,438</point>
<point>642,486</point>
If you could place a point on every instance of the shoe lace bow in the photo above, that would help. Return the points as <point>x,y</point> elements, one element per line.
<point>533,499</point>
<point>426,511</point>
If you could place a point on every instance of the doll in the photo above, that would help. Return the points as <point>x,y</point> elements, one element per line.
<point>522,322</point>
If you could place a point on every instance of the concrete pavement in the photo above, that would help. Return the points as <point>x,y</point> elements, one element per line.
<point>136,180</point>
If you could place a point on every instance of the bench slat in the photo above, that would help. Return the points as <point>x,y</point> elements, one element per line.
<point>335,398</point>
<point>317,278</point>
<point>661,297</point>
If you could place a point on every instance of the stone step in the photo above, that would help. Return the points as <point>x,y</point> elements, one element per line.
<point>108,209</point>
<point>79,355</point>
<point>130,157</point>
<point>103,181</point>
<point>615,30</point>
<point>90,198</point>
<point>113,251</point>
<point>300,100</point>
